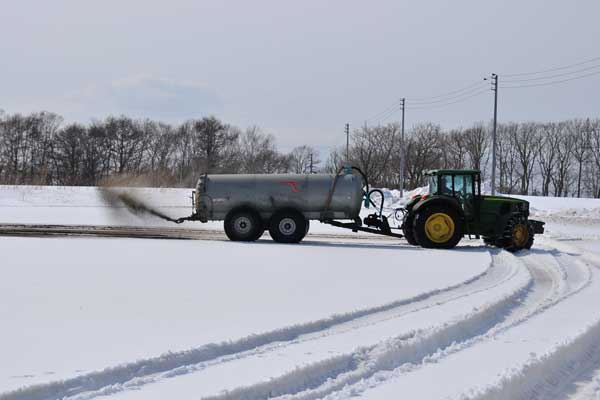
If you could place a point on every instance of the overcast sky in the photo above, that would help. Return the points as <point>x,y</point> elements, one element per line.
<point>300,70</point>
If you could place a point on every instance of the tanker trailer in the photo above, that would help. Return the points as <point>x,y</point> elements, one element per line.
<point>284,204</point>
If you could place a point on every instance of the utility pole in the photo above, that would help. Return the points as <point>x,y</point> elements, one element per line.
<point>402,103</point>
<point>311,163</point>
<point>495,89</point>
<point>347,130</point>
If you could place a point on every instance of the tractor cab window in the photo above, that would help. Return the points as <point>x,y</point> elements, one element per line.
<point>433,184</point>
<point>463,186</point>
<point>447,185</point>
<point>463,191</point>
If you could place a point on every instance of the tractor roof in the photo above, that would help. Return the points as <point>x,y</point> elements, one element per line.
<point>453,172</point>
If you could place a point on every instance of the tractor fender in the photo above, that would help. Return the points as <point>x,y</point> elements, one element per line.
<point>503,220</point>
<point>412,202</point>
<point>444,201</point>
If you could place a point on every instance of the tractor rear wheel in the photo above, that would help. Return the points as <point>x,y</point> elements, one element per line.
<point>438,227</point>
<point>243,225</point>
<point>407,229</point>
<point>288,226</point>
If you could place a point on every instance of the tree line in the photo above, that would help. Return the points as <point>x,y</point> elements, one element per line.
<point>548,159</point>
<point>39,149</point>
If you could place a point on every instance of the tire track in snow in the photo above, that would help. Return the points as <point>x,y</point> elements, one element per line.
<point>569,371</point>
<point>362,362</point>
<point>534,379</point>
<point>174,363</point>
<point>371,366</point>
<point>552,375</point>
<point>339,374</point>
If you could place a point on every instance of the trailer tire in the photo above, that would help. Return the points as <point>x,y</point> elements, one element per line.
<point>260,232</point>
<point>288,226</point>
<point>243,225</point>
<point>307,229</point>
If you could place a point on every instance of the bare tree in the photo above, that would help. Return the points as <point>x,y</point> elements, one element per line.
<point>564,159</point>
<point>422,152</point>
<point>476,141</point>
<point>372,149</point>
<point>455,155</point>
<point>526,142</point>
<point>68,155</point>
<point>594,143</point>
<point>304,159</point>
<point>506,157</point>
<point>259,155</point>
<point>550,140</point>
<point>212,141</point>
<point>579,132</point>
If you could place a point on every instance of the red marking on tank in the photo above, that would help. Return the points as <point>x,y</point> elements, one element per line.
<point>292,184</point>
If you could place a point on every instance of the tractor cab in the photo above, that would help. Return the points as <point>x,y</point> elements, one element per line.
<point>462,185</point>
<point>455,207</point>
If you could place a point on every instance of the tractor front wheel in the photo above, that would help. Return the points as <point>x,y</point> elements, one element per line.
<point>518,235</point>
<point>438,227</point>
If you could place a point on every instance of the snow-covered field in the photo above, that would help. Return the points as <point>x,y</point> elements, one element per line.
<point>334,317</point>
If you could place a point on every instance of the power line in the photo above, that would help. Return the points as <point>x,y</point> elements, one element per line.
<point>541,78</point>
<point>417,99</point>
<point>441,98</point>
<point>554,69</point>
<point>449,103</point>
<point>385,117</point>
<point>392,108</point>
<point>473,90</point>
<point>551,83</point>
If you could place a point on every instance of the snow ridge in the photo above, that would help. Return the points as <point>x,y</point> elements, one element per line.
<point>114,377</point>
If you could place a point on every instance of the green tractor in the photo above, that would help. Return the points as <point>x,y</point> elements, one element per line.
<point>454,207</point>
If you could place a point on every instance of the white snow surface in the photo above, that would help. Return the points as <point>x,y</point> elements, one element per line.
<point>333,317</point>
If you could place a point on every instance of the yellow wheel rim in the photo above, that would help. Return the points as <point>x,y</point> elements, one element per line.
<point>439,227</point>
<point>520,235</point>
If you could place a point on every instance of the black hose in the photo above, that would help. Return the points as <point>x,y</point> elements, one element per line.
<point>373,203</point>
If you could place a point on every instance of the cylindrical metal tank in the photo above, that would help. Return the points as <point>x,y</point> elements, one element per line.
<point>216,195</point>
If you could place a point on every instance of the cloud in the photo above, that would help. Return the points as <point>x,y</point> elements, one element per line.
<point>145,96</point>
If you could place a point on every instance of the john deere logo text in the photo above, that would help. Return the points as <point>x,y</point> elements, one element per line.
<point>292,184</point>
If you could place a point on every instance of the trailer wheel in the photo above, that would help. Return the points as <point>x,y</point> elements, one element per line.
<point>288,226</point>
<point>243,225</point>
<point>307,229</point>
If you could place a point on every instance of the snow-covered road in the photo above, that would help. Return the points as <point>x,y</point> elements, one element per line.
<point>331,318</point>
